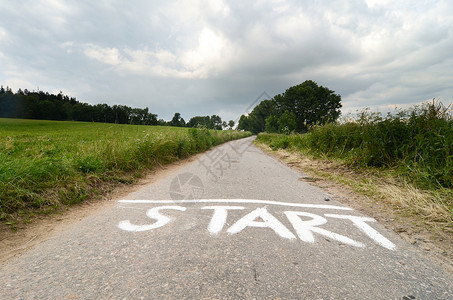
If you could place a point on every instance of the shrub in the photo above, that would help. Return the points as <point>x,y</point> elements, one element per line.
<point>417,142</point>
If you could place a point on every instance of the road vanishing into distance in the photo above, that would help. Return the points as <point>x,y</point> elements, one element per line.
<point>232,224</point>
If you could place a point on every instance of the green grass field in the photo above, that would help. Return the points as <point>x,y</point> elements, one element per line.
<point>44,164</point>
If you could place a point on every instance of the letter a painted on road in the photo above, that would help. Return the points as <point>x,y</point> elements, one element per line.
<point>268,221</point>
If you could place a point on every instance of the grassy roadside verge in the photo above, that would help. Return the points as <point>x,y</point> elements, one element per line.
<point>412,150</point>
<point>48,164</point>
<point>423,217</point>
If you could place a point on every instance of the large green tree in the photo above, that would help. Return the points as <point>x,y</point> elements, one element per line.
<point>199,121</point>
<point>310,103</point>
<point>216,122</point>
<point>296,109</point>
<point>210,122</point>
<point>244,123</point>
<point>177,121</point>
<point>256,120</point>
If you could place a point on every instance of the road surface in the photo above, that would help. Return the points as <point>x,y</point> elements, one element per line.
<point>233,224</point>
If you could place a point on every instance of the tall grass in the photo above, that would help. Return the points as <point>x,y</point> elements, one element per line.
<point>48,163</point>
<point>417,143</point>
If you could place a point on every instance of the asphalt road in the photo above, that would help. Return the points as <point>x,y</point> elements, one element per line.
<point>234,224</point>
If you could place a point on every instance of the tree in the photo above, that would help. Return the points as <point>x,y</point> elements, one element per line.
<point>287,122</point>
<point>310,103</point>
<point>82,112</point>
<point>231,124</point>
<point>297,109</point>
<point>47,110</point>
<point>256,120</point>
<point>103,113</point>
<point>149,118</point>
<point>122,113</point>
<point>216,122</point>
<point>66,108</point>
<point>199,121</point>
<point>272,124</point>
<point>41,105</point>
<point>244,123</point>
<point>177,121</point>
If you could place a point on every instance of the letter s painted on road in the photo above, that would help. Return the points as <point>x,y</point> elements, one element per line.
<point>152,213</point>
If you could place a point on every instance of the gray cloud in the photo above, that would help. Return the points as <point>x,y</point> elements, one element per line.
<point>216,57</point>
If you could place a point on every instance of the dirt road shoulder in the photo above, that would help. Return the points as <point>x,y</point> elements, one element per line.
<point>362,193</point>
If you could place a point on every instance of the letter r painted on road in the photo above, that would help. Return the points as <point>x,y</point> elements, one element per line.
<point>305,229</point>
<point>152,213</point>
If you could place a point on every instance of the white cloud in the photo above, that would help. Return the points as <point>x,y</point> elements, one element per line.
<point>218,7</point>
<point>110,56</point>
<point>57,6</point>
<point>214,54</point>
<point>210,56</point>
<point>3,34</point>
<point>378,3</point>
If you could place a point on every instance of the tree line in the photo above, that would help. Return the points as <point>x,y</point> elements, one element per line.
<point>25,104</point>
<point>295,110</point>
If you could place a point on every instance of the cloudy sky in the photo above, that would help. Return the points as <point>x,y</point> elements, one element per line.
<point>216,57</point>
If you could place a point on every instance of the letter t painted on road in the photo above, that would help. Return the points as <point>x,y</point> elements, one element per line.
<point>359,222</point>
<point>219,217</point>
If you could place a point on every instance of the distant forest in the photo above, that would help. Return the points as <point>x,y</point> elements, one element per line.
<point>44,106</point>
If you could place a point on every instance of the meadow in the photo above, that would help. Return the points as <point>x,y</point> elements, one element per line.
<point>46,164</point>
